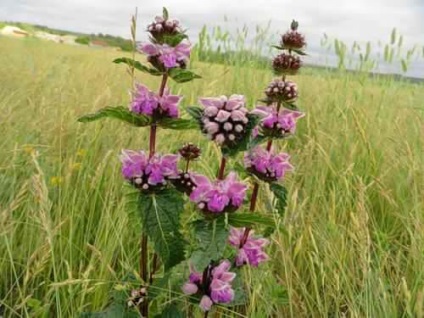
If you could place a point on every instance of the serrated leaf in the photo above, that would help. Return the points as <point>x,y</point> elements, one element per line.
<point>250,220</point>
<point>165,13</point>
<point>160,213</point>
<point>118,112</point>
<point>178,123</point>
<point>195,112</point>
<point>243,144</point>
<point>211,238</point>
<point>280,193</point>
<point>137,65</point>
<point>181,76</point>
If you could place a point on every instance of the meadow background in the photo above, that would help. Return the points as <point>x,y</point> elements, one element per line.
<point>353,238</point>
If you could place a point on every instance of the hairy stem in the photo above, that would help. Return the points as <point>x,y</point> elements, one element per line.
<point>222,168</point>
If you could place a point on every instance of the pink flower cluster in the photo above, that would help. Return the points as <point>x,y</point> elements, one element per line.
<point>214,284</point>
<point>277,123</point>
<point>144,172</point>
<point>250,249</point>
<point>167,55</point>
<point>266,165</point>
<point>149,103</point>
<point>219,196</point>
<point>224,119</point>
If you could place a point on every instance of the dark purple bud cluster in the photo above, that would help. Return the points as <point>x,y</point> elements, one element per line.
<point>190,151</point>
<point>286,64</point>
<point>281,91</point>
<point>162,27</point>
<point>184,182</point>
<point>137,297</point>
<point>293,39</point>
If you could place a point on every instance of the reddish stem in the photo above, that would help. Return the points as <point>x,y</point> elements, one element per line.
<point>144,306</point>
<point>222,168</point>
<point>152,143</point>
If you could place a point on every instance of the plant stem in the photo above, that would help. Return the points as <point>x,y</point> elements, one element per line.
<point>206,314</point>
<point>144,256</point>
<point>222,168</point>
<point>152,144</point>
<point>144,306</point>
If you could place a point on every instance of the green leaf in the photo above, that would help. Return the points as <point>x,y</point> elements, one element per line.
<point>171,311</point>
<point>300,52</point>
<point>277,47</point>
<point>165,13</point>
<point>250,220</point>
<point>118,112</point>
<point>160,213</point>
<point>280,193</point>
<point>137,65</point>
<point>257,141</point>
<point>195,112</point>
<point>118,308</point>
<point>181,76</point>
<point>212,239</point>
<point>243,144</point>
<point>290,106</point>
<point>174,40</point>
<point>178,123</point>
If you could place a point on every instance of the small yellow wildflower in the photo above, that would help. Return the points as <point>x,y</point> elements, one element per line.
<point>56,181</point>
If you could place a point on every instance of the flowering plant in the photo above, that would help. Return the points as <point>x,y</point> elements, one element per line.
<point>222,238</point>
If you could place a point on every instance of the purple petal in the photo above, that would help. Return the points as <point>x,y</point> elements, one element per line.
<point>149,49</point>
<point>206,303</point>
<point>190,289</point>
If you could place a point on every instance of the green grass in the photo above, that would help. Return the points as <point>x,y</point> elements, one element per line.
<point>354,239</point>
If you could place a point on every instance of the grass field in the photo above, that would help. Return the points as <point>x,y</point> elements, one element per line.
<point>354,239</point>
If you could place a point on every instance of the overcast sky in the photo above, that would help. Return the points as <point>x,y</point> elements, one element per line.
<point>348,20</point>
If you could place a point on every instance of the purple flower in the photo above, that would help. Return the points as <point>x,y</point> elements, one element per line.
<point>214,285</point>
<point>169,103</point>
<point>224,119</point>
<point>144,101</point>
<point>149,103</point>
<point>277,123</point>
<point>250,249</point>
<point>143,172</point>
<point>266,165</point>
<point>169,56</point>
<point>220,288</point>
<point>133,163</point>
<point>219,196</point>
<point>206,303</point>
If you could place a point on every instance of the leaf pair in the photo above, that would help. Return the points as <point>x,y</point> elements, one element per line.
<point>137,120</point>
<point>177,74</point>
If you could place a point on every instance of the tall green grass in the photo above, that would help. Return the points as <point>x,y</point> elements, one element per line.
<point>354,239</point>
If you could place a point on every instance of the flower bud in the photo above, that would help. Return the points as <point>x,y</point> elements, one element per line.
<point>286,64</point>
<point>190,151</point>
<point>293,39</point>
<point>281,91</point>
